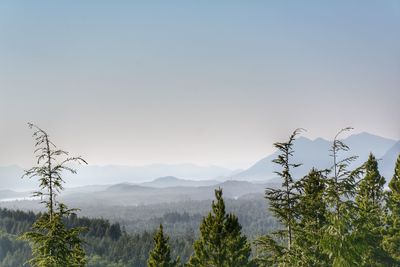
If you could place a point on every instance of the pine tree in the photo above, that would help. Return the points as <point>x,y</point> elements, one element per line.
<point>391,241</point>
<point>370,200</point>
<point>341,240</point>
<point>370,193</point>
<point>312,218</point>
<point>160,256</point>
<point>52,244</point>
<point>221,242</point>
<point>341,186</point>
<point>282,202</point>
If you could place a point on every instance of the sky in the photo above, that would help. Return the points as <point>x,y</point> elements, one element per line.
<point>206,82</point>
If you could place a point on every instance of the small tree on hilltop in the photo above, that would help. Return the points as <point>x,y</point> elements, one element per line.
<point>52,244</point>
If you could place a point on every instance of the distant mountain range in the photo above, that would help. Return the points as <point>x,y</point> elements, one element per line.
<point>161,190</point>
<point>316,153</point>
<point>311,153</point>
<point>171,181</point>
<point>10,176</point>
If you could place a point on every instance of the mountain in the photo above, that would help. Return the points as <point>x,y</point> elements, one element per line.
<point>9,194</point>
<point>364,143</point>
<point>171,181</point>
<point>126,194</point>
<point>388,161</point>
<point>112,174</point>
<point>10,178</point>
<point>315,153</point>
<point>312,153</point>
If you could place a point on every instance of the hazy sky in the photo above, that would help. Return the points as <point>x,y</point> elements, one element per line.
<point>208,82</point>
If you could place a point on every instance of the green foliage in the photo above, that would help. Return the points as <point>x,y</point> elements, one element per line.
<point>391,239</point>
<point>341,186</point>
<point>221,243</point>
<point>312,217</point>
<point>342,241</point>
<point>52,244</point>
<point>371,215</point>
<point>102,250</point>
<point>160,256</point>
<point>283,202</point>
<point>370,192</point>
<point>333,217</point>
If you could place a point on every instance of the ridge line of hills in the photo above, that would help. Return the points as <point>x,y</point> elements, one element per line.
<point>312,153</point>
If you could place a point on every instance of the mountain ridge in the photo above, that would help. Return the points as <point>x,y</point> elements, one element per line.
<point>312,153</point>
<point>315,153</point>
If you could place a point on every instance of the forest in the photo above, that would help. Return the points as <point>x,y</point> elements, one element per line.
<point>330,217</point>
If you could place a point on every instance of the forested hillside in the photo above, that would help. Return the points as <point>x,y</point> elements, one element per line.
<point>106,244</point>
<point>130,234</point>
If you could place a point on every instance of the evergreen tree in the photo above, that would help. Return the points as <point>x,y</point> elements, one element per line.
<point>160,256</point>
<point>312,218</point>
<point>221,242</point>
<point>391,242</point>
<point>282,202</point>
<point>311,205</point>
<point>52,244</point>
<point>370,193</point>
<point>370,200</point>
<point>342,241</point>
<point>341,186</point>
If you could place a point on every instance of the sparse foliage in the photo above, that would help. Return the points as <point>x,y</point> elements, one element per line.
<point>282,202</point>
<point>52,244</point>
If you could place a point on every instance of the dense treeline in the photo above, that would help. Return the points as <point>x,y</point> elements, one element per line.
<point>334,217</point>
<point>177,218</point>
<point>106,243</point>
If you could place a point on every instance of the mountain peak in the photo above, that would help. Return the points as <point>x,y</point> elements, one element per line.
<point>315,153</point>
<point>367,135</point>
<point>167,179</point>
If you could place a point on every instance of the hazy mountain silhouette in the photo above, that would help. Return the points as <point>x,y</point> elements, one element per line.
<point>112,174</point>
<point>387,164</point>
<point>316,153</point>
<point>311,153</point>
<point>126,194</point>
<point>171,181</point>
<point>9,194</point>
<point>11,178</point>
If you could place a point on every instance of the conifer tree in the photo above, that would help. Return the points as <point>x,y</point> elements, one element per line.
<point>342,241</point>
<point>221,242</point>
<point>370,200</point>
<point>52,244</point>
<point>341,186</point>
<point>282,202</point>
<point>370,193</point>
<point>312,218</point>
<point>160,256</point>
<point>391,241</point>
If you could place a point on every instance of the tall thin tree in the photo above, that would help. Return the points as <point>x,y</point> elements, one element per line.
<point>282,202</point>
<point>52,244</point>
